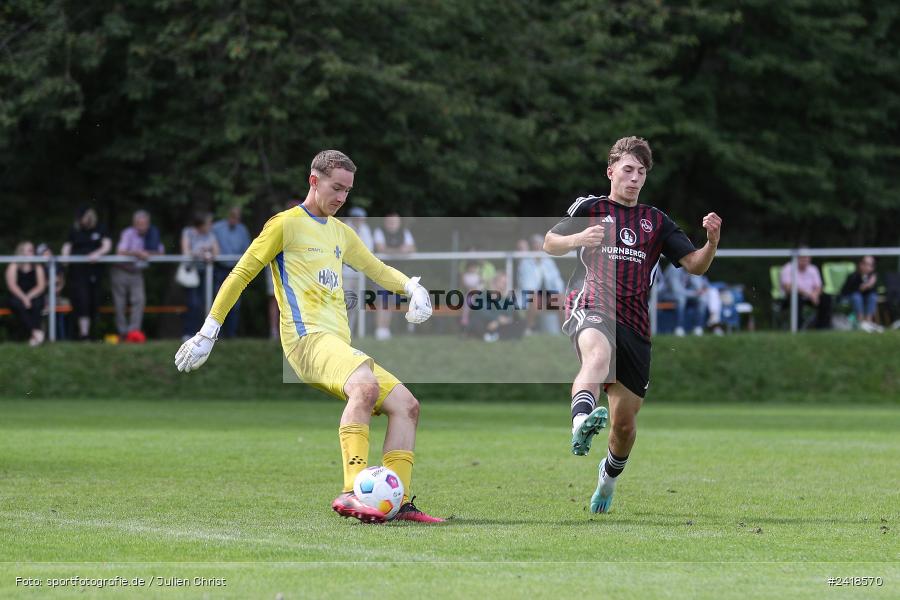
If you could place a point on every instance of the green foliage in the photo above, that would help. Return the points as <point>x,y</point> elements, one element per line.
<point>781,115</point>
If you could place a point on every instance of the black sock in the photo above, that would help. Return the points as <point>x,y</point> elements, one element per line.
<point>583,402</point>
<point>614,464</point>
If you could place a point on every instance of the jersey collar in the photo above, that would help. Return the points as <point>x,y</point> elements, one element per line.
<point>321,220</point>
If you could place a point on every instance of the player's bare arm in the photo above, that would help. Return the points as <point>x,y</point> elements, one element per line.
<point>697,262</point>
<point>558,245</point>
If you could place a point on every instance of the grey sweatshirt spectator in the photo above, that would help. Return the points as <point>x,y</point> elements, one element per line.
<point>140,241</point>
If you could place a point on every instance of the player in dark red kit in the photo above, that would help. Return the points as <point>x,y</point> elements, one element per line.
<point>619,243</point>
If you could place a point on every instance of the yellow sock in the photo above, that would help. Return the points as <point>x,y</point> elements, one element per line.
<point>354,451</point>
<point>401,463</point>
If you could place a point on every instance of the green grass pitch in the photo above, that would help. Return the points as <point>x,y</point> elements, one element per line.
<point>717,502</point>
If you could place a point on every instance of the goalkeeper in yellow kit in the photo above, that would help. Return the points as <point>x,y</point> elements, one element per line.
<point>306,247</point>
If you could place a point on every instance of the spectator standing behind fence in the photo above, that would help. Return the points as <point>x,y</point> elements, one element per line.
<point>233,238</point>
<point>393,238</point>
<point>27,283</point>
<point>86,238</point>
<point>357,220</point>
<point>199,242</point>
<point>538,279</point>
<point>139,241</point>
<point>860,288</point>
<point>809,289</point>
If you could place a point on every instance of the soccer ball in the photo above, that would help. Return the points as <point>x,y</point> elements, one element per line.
<point>380,488</point>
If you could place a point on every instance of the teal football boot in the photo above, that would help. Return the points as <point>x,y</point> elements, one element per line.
<point>602,498</point>
<point>581,439</point>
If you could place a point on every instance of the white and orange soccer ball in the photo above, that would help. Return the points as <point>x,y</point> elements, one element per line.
<point>380,488</point>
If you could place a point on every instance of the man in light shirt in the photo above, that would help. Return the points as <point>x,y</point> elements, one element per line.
<point>809,289</point>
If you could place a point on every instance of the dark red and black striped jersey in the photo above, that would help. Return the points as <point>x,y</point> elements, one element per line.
<point>615,277</point>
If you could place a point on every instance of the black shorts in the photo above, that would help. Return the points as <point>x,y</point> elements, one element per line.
<point>631,352</point>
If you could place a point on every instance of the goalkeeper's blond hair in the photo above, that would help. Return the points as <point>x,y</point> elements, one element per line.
<point>328,160</point>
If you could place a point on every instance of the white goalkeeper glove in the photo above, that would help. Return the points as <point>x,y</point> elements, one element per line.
<point>419,302</point>
<point>194,352</point>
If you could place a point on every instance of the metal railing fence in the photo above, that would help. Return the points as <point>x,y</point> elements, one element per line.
<point>508,258</point>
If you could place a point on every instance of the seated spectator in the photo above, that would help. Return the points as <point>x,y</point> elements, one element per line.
<point>860,288</point>
<point>494,313</point>
<point>537,280</point>
<point>199,242</point>
<point>86,238</point>
<point>471,281</point>
<point>809,290</point>
<point>140,241</point>
<point>685,290</point>
<point>43,249</point>
<point>27,283</point>
<point>477,269</point>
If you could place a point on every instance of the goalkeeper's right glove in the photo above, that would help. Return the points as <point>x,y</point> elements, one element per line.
<point>194,352</point>
<point>419,302</point>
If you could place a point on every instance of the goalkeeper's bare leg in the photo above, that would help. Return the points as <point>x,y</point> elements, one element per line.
<point>362,391</point>
<point>402,410</point>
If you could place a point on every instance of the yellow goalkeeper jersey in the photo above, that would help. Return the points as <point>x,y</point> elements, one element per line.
<point>306,254</point>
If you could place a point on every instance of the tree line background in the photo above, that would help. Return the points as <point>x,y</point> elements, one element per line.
<point>781,115</point>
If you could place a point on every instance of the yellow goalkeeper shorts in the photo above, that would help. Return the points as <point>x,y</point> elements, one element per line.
<point>325,361</point>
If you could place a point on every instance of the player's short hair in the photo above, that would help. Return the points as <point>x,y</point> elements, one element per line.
<point>635,146</point>
<point>326,160</point>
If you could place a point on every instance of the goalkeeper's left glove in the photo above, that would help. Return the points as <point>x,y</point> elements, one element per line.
<point>194,352</point>
<point>419,301</point>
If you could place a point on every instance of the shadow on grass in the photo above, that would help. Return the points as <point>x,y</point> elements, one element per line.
<point>519,522</point>
<point>665,520</point>
<point>701,519</point>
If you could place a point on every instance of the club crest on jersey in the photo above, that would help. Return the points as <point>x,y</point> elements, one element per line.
<point>328,279</point>
<point>627,236</point>
<point>646,225</point>
<point>337,251</point>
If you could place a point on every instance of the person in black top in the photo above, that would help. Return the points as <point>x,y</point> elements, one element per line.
<point>27,283</point>
<point>619,243</point>
<point>860,288</point>
<point>86,238</point>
